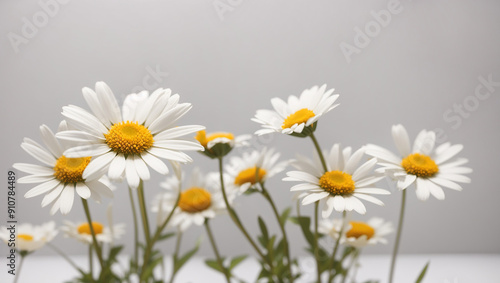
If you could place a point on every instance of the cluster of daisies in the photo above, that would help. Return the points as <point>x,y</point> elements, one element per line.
<point>109,143</point>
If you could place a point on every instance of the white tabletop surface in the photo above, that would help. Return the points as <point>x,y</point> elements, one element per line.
<point>450,268</point>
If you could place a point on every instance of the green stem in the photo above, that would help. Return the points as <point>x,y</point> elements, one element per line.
<point>97,248</point>
<point>144,213</point>
<point>316,244</point>
<point>282,227</point>
<point>91,263</point>
<point>21,261</point>
<point>216,251</point>
<point>353,262</point>
<point>176,254</point>
<point>235,218</point>
<point>58,251</point>
<point>335,248</point>
<point>159,230</point>
<point>316,235</point>
<point>398,237</point>
<point>136,229</point>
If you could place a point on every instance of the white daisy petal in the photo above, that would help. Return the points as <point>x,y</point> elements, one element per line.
<point>401,139</point>
<point>339,203</point>
<point>304,187</point>
<point>300,176</point>
<point>142,168</point>
<point>87,150</point>
<point>34,179</point>
<point>449,153</point>
<point>364,169</point>
<point>446,183</point>
<point>50,141</point>
<point>368,198</point>
<point>98,188</point>
<point>327,208</point>
<point>423,189</point>
<point>95,166</point>
<point>117,166</point>
<point>155,163</point>
<point>108,101</point>
<point>79,136</point>
<point>66,199</point>
<point>34,169</point>
<point>454,178</point>
<point>50,197</point>
<point>435,190</point>
<point>373,191</point>
<point>178,132</point>
<point>314,197</point>
<point>133,179</point>
<point>170,154</point>
<point>406,182</point>
<point>42,188</point>
<point>353,161</point>
<point>82,190</point>
<point>39,154</point>
<point>179,145</point>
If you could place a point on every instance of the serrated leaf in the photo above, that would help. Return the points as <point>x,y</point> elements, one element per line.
<point>236,260</point>
<point>422,273</point>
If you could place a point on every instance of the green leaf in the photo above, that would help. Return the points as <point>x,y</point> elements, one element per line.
<point>166,236</point>
<point>178,263</point>
<point>284,216</point>
<point>265,233</point>
<point>149,269</point>
<point>236,260</point>
<point>304,223</point>
<point>422,273</point>
<point>213,264</point>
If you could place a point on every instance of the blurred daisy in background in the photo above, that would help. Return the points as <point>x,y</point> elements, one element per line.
<point>298,115</point>
<point>219,144</point>
<point>200,201</point>
<point>30,237</point>
<point>357,234</point>
<point>81,231</point>
<point>343,186</point>
<point>60,176</point>
<point>427,167</point>
<point>126,142</point>
<point>242,170</point>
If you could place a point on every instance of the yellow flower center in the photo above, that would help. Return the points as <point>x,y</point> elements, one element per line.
<point>359,229</point>
<point>203,139</point>
<point>337,183</point>
<point>129,138</point>
<point>195,199</point>
<point>298,117</point>
<point>420,165</point>
<point>25,237</point>
<point>249,176</point>
<point>85,228</point>
<point>70,170</point>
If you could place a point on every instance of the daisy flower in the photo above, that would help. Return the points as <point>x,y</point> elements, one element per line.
<point>356,233</point>
<point>125,142</point>
<point>427,167</point>
<point>60,176</point>
<point>201,200</point>
<point>242,171</point>
<point>298,116</point>
<point>82,233</point>
<point>29,237</point>
<point>219,144</point>
<point>342,187</point>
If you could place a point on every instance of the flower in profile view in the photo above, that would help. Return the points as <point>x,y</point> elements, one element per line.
<point>357,234</point>
<point>253,167</point>
<point>30,237</point>
<point>343,186</point>
<point>298,115</point>
<point>427,167</point>
<point>82,232</point>
<point>125,143</point>
<point>220,144</point>
<point>60,176</point>
<point>200,201</point>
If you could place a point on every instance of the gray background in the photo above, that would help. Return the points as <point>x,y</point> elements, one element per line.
<point>425,61</point>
